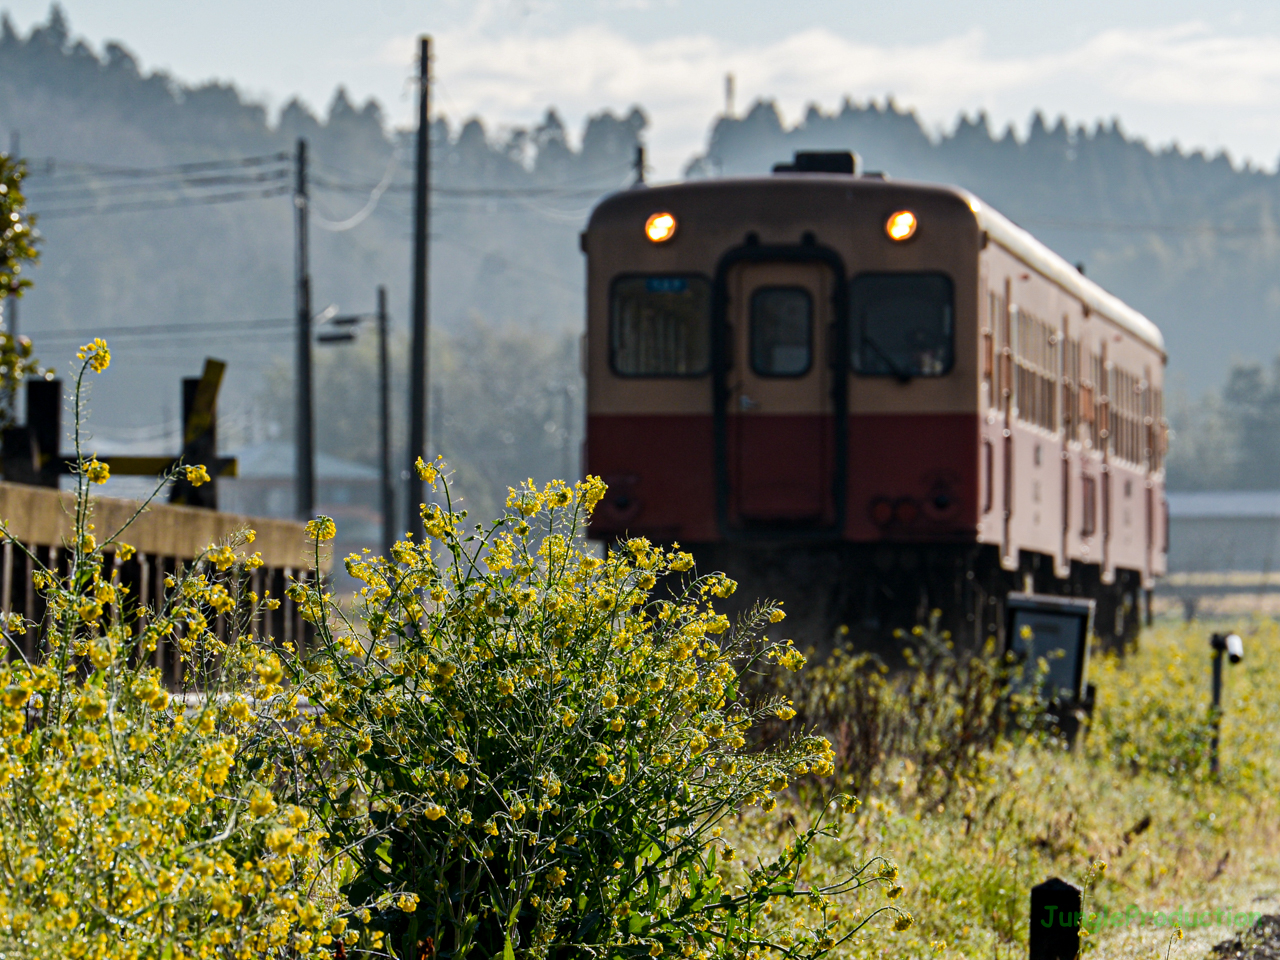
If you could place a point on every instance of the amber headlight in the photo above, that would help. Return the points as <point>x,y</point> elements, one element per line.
<point>660,227</point>
<point>900,226</point>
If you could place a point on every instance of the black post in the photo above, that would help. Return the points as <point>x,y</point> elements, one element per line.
<point>418,355</point>
<point>384,427</point>
<point>638,166</point>
<point>200,435</point>
<point>305,454</point>
<point>1216,709</point>
<point>1055,921</point>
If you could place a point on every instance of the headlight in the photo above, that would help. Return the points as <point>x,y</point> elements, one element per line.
<point>661,227</point>
<point>900,226</point>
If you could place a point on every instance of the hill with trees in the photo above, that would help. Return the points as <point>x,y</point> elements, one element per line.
<point>154,238</point>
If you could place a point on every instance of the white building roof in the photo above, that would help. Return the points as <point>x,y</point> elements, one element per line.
<point>1224,504</point>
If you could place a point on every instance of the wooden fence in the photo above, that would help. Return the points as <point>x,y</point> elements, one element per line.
<point>166,539</point>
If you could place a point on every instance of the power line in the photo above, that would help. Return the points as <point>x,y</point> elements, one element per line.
<point>52,164</point>
<point>167,330</point>
<point>513,192</point>
<point>97,209</point>
<point>57,190</point>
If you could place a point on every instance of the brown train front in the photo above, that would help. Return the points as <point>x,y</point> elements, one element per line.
<point>871,399</point>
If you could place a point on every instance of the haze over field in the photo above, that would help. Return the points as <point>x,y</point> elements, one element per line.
<point>1191,239</point>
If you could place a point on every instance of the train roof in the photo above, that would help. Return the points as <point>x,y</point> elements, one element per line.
<point>1035,254</point>
<point>998,229</point>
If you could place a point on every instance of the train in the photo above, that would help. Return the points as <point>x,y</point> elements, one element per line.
<point>879,402</point>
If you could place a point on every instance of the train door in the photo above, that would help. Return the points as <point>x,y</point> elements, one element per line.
<point>779,421</point>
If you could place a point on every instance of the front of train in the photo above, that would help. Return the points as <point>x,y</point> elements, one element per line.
<point>783,377</point>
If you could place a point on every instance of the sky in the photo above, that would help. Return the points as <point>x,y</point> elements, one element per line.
<point>1203,76</point>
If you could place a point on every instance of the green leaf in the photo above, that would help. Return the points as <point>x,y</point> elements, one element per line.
<point>508,951</point>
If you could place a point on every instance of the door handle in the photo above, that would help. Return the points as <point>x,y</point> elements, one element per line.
<point>746,403</point>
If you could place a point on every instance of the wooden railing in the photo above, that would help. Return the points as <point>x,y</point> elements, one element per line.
<point>166,538</point>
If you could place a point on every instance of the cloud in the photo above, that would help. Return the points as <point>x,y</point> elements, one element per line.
<point>1181,82</point>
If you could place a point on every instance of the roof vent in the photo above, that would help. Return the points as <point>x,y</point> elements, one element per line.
<point>820,161</point>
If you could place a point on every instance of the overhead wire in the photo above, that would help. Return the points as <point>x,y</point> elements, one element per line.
<point>149,329</point>
<point>375,195</point>
<point>74,188</point>
<point>52,164</point>
<point>199,182</point>
<point>99,208</point>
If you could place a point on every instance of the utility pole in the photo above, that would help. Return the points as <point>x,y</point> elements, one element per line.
<point>570,473</point>
<point>384,429</point>
<point>638,166</point>
<point>305,454</point>
<point>11,321</point>
<point>418,350</point>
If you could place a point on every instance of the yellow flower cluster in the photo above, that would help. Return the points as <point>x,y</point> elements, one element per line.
<point>95,354</point>
<point>321,529</point>
<point>436,690</point>
<point>135,824</point>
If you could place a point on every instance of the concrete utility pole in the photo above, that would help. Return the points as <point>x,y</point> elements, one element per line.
<point>305,453</point>
<point>384,429</point>
<point>11,321</point>
<point>418,350</point>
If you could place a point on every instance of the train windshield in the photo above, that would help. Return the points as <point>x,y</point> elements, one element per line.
<point>903,324</point>
<point>660,326</point>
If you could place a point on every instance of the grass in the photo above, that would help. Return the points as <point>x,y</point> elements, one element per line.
<point>1137,795</point>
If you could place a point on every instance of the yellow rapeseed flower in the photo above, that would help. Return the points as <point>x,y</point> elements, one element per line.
<point>321,529</point>
<point>197,475</point>
<point>97,471</point>
<point>262,804</point>
<point>96,353</point>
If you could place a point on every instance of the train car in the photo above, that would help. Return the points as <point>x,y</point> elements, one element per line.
<point>871,399</point>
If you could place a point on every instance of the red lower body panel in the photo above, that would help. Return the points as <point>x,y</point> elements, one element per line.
<point>781,469</point>
<point>908,476</point>
<point>912,476</point>
<point>660,475</point>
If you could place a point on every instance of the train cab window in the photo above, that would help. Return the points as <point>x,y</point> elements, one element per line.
<point>781,331</point>
<point>903,324</point>
<point>660,326</point>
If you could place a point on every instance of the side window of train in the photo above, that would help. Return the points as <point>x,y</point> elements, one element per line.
<point>902,324</point>
<point>660,326</point>
<point>781,331</point>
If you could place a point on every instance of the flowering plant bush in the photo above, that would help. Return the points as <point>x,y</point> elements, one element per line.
<point>135,823</point>
<point>536,749</point>
<point>938,720</point>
